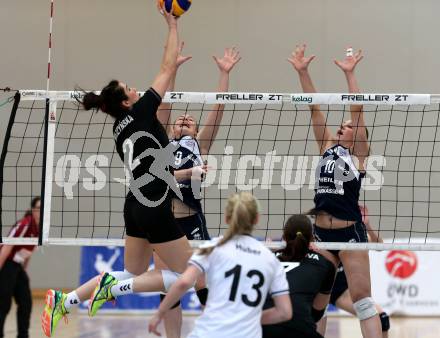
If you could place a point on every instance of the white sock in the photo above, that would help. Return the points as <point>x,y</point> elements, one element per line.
<point>122,275</point>
<point>124,287</point>
<point>71,300</point>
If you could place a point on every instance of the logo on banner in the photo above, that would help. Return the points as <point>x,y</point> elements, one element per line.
<point>302,99</point>
<point>401,264</point>
<point>102,265</point>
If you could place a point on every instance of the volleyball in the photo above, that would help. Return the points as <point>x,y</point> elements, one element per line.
<point>176,7</point>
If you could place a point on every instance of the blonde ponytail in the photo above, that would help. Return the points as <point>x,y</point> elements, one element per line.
<point>241,214</point>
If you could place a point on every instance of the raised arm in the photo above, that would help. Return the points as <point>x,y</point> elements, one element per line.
<point>301,63</point>
<point>209,131</point>
<point>168,66</point>
<point>164,111</point>
<point>361,147</point>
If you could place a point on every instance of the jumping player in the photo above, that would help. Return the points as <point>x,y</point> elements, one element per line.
<point>137,133</point>
<point>340,296</point>
<point>338,183</point>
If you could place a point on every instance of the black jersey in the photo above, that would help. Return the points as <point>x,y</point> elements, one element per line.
<point>338,183</point>
<point>141,121</point>
<point>314,274</point>
<point>186,156</point>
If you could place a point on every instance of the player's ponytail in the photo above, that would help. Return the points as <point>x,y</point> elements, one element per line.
<point>241,214</point>
<point>109,101</point>
<point>298,234</point>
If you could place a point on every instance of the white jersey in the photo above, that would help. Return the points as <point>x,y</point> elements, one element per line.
<point>239,274</point>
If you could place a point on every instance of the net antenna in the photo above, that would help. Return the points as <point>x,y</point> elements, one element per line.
<point>49,131</point>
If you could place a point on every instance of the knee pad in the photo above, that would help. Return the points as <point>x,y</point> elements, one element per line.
<point>162,297</point>
<point>122,275</point>
<point>384,321</point>
<point>169,278</point>
<point>365,308</point>
<point>202,294</point>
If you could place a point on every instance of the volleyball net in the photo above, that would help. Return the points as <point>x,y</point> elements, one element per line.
<point>265,144</point>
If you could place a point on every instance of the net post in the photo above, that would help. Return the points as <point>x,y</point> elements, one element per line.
<point>47,172</point>
<point>17,97</point>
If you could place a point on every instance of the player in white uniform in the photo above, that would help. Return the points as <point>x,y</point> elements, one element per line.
<point>240,272</point>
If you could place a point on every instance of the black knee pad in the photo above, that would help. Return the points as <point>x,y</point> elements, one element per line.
<point>162,297</point>
<point>202,294</point>
<point>385,321</point>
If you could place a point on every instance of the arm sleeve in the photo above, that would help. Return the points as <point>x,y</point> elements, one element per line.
<point>279,284</point>
<point>148,104</point>
<point>200,261</point>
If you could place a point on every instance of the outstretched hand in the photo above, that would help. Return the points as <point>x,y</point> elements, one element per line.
<point>229,59</point>
<point>350,61</point>
<point>180,58</point>
<point>298,60</point>
<point>169,18</point>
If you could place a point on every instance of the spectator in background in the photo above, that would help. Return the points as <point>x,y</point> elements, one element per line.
<point>14,281</point>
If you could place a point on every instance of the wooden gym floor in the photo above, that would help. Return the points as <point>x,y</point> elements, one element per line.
<point>134,326</point>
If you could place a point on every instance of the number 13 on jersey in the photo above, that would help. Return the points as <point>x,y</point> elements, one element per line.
<point>256,276</point>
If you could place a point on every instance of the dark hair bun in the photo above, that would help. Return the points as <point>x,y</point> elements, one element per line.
<point>92,101</point>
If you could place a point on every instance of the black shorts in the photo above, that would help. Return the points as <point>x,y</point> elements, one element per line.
<point>278,331</point>
<point>157,224</point>
<point>194,227</point>
<point>355,233</point>
<point>339,287</point>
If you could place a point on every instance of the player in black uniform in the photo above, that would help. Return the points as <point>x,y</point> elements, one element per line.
<point>142,143</point>
<point>338,183</point>
<point>191,144</point>
<point>340,296</point>
<point>310,275</point>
